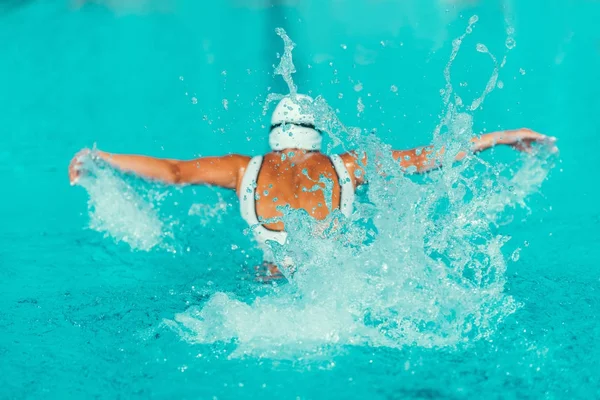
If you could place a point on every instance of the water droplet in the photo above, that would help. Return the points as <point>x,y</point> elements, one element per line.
<point>358,87</point>
<point>340,95</point>
<point>482,48</point>
<point>225,104</point>
<point>343,46</point>
<point>360,106</point>
<point>510,43</point>
<point>473,19</point>
<point>516,255</point>
<point>194,100</point>
<point>394,88</point>
<point>181,78</point>
<point>522,71</point>
<point>500,85</point>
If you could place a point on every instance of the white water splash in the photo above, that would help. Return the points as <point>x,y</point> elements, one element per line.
<point>210,213</point>
<point>415,265</point>
<point>286,64</point>
<point>121,212</point>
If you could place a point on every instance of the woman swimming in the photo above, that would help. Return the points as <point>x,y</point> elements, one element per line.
<point>286,174</point>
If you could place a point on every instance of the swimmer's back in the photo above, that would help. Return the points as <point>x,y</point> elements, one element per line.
<point>294,181</point>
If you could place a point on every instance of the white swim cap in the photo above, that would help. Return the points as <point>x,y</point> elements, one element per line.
<point>293,125</point>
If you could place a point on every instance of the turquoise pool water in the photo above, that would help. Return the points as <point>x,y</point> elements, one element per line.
<point>148,293</point>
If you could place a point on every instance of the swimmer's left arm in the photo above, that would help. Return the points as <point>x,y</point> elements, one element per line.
<point>423,159</point>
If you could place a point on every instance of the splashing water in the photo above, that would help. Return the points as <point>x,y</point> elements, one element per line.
<point>205,214</point>
<point>415,264</point>
<point>121,212</point>
<point>285,68</point>
<point>286,65</point>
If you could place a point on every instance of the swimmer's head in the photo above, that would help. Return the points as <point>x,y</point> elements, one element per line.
<point>293,125</point>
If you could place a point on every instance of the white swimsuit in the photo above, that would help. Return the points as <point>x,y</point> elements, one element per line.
<point>248,201</point>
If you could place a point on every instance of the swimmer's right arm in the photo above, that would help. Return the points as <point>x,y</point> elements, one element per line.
<point>218,171</point>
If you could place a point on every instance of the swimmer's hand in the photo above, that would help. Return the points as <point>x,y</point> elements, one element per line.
<point>519,139</point>
<point>423,159</point>
<point>76,169</point>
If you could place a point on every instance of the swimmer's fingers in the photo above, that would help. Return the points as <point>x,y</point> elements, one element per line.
<point>522,140</point>
<point>532,136</point>
<point>549,142</point>
<point>75,167</point>
<point>526,145</point>
<point>542,140</point>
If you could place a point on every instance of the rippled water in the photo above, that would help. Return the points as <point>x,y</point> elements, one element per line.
<point>476,280</point>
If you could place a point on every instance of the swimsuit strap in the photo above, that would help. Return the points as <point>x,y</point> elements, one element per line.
<point>248,204</point>
<point>346,186</point>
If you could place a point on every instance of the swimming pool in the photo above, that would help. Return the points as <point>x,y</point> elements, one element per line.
<point>92,308</point>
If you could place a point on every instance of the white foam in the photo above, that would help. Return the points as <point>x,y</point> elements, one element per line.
<point>210,213</point>
<point>120,211</point>
<point>415,265</point>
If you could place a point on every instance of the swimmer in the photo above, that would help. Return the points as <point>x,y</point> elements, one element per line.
<point>294,164</point>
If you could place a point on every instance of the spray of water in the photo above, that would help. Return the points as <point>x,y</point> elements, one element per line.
<point>285,68</point>
<point>120,211</point>
<point>206,214</point>
<point>416,264</point>
<point>286,64</point>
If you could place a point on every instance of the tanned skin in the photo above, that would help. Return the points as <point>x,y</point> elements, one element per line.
<point>290,176</point>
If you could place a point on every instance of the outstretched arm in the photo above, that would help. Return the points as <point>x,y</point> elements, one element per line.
<point>219,171</point>
<point>424,159</point>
